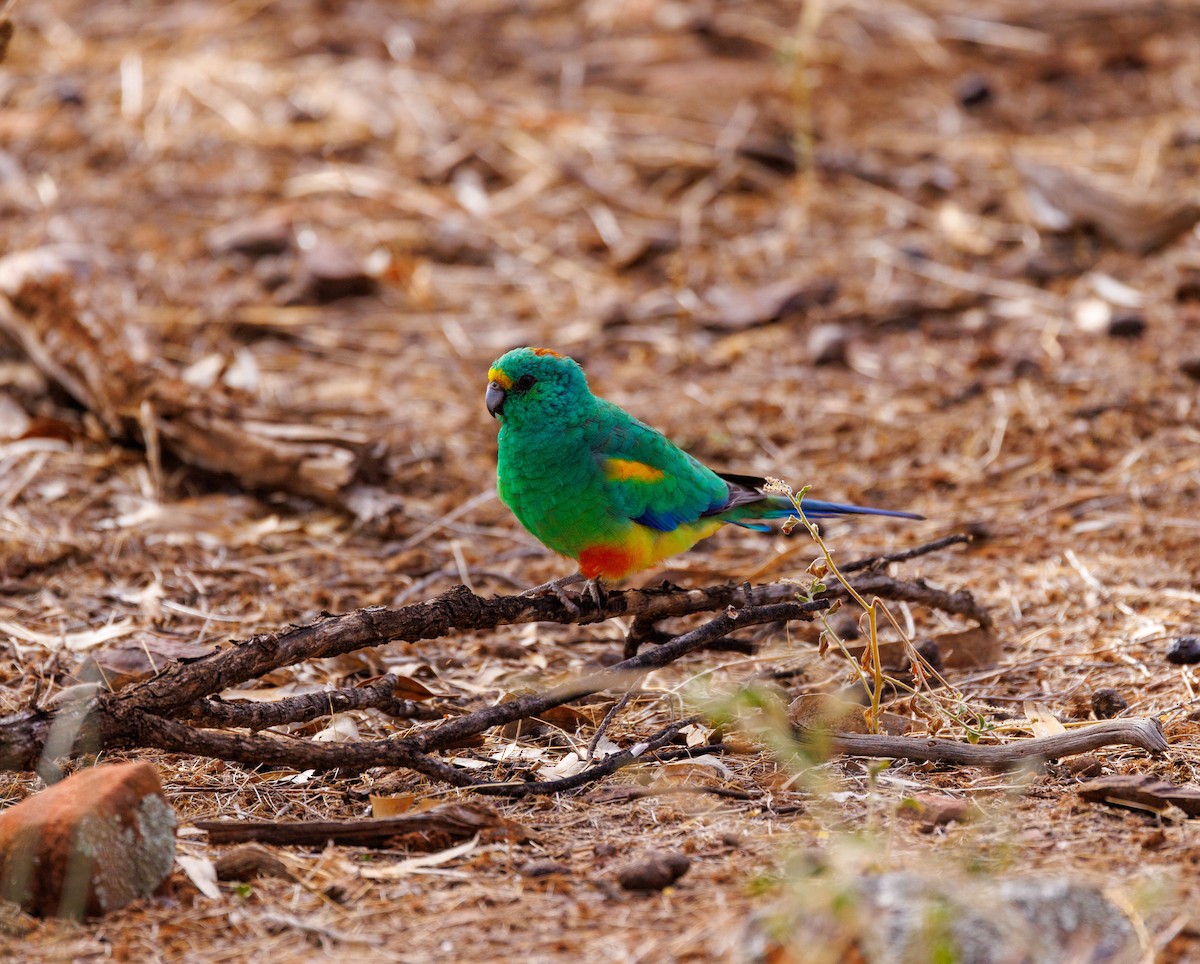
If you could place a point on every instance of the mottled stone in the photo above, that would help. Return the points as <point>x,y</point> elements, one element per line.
<point>93,843</point>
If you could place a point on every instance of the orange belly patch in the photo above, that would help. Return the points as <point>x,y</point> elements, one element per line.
<point>609,562</point>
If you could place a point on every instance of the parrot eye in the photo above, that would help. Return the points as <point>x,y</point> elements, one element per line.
<point>525,382</point>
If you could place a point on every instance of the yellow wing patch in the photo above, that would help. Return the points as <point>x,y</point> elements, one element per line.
<point>501,379</point>
<point>626,470</point>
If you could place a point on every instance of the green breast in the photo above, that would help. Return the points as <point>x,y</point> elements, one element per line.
<point>553,485</point>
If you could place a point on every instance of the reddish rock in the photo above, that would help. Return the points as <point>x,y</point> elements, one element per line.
<point>93,843</point>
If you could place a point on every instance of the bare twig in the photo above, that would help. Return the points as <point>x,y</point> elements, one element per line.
<point>877,562</point>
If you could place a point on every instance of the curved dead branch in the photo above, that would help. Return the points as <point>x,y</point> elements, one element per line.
<point>1140,732</point>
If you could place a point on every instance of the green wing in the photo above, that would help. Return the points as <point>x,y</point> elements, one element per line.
<point>649,479</point>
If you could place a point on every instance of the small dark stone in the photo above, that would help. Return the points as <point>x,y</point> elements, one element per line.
<point>1107,703</point>
<point>1183,650</point>
<point>1191,368</point>
<point>1127,326</point>
<point>68,93</point>
<point>657,871</point>
<point>1188,290</point>
<point>973,90</point>
<point>1026,368</point>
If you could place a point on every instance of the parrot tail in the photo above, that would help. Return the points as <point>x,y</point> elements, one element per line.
<point>748,501</point>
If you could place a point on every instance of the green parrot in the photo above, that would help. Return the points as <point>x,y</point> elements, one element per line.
<point>593,483</point>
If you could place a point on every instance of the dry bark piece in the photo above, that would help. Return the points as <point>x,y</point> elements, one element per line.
<point>824,712</point>
<point>248,862</point>
<point>328,271</point>
<point>657,870</point>
<point>968,649</point>
<point>1063,200</point>
<point>90,358</point>
<point>1141,791</point>
<point>734,309</point>
<point>91,844</point>
<point>1083,766</point>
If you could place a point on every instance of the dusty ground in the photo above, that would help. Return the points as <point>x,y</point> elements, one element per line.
<point>677,194</point>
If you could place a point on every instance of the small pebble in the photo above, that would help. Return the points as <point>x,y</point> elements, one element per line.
<point>1184,650</point>
<point>1026,368</point>
<point>1191,368</point>
<point>656,871</point>
<point>973,90</point>
<point>1107,703</point>
<point>1127,326</point>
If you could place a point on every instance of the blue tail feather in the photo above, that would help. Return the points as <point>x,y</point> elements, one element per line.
<point>815,509</point>
<point>780,508</point>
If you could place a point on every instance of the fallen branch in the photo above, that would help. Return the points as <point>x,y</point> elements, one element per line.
<point>1144,733</point>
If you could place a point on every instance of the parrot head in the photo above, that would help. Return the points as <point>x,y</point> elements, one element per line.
<point>528,386</point>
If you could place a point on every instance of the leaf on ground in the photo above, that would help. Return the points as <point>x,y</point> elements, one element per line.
<point>340,729</point>
<point>1042,721</point>
<point>416,864</point>
<point>202,872</point>
<point>391,806</point>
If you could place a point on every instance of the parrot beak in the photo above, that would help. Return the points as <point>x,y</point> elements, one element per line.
<point>495,399</point>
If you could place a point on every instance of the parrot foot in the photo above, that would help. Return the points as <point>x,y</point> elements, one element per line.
<point>595,589</point>
<point>555,587</point>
